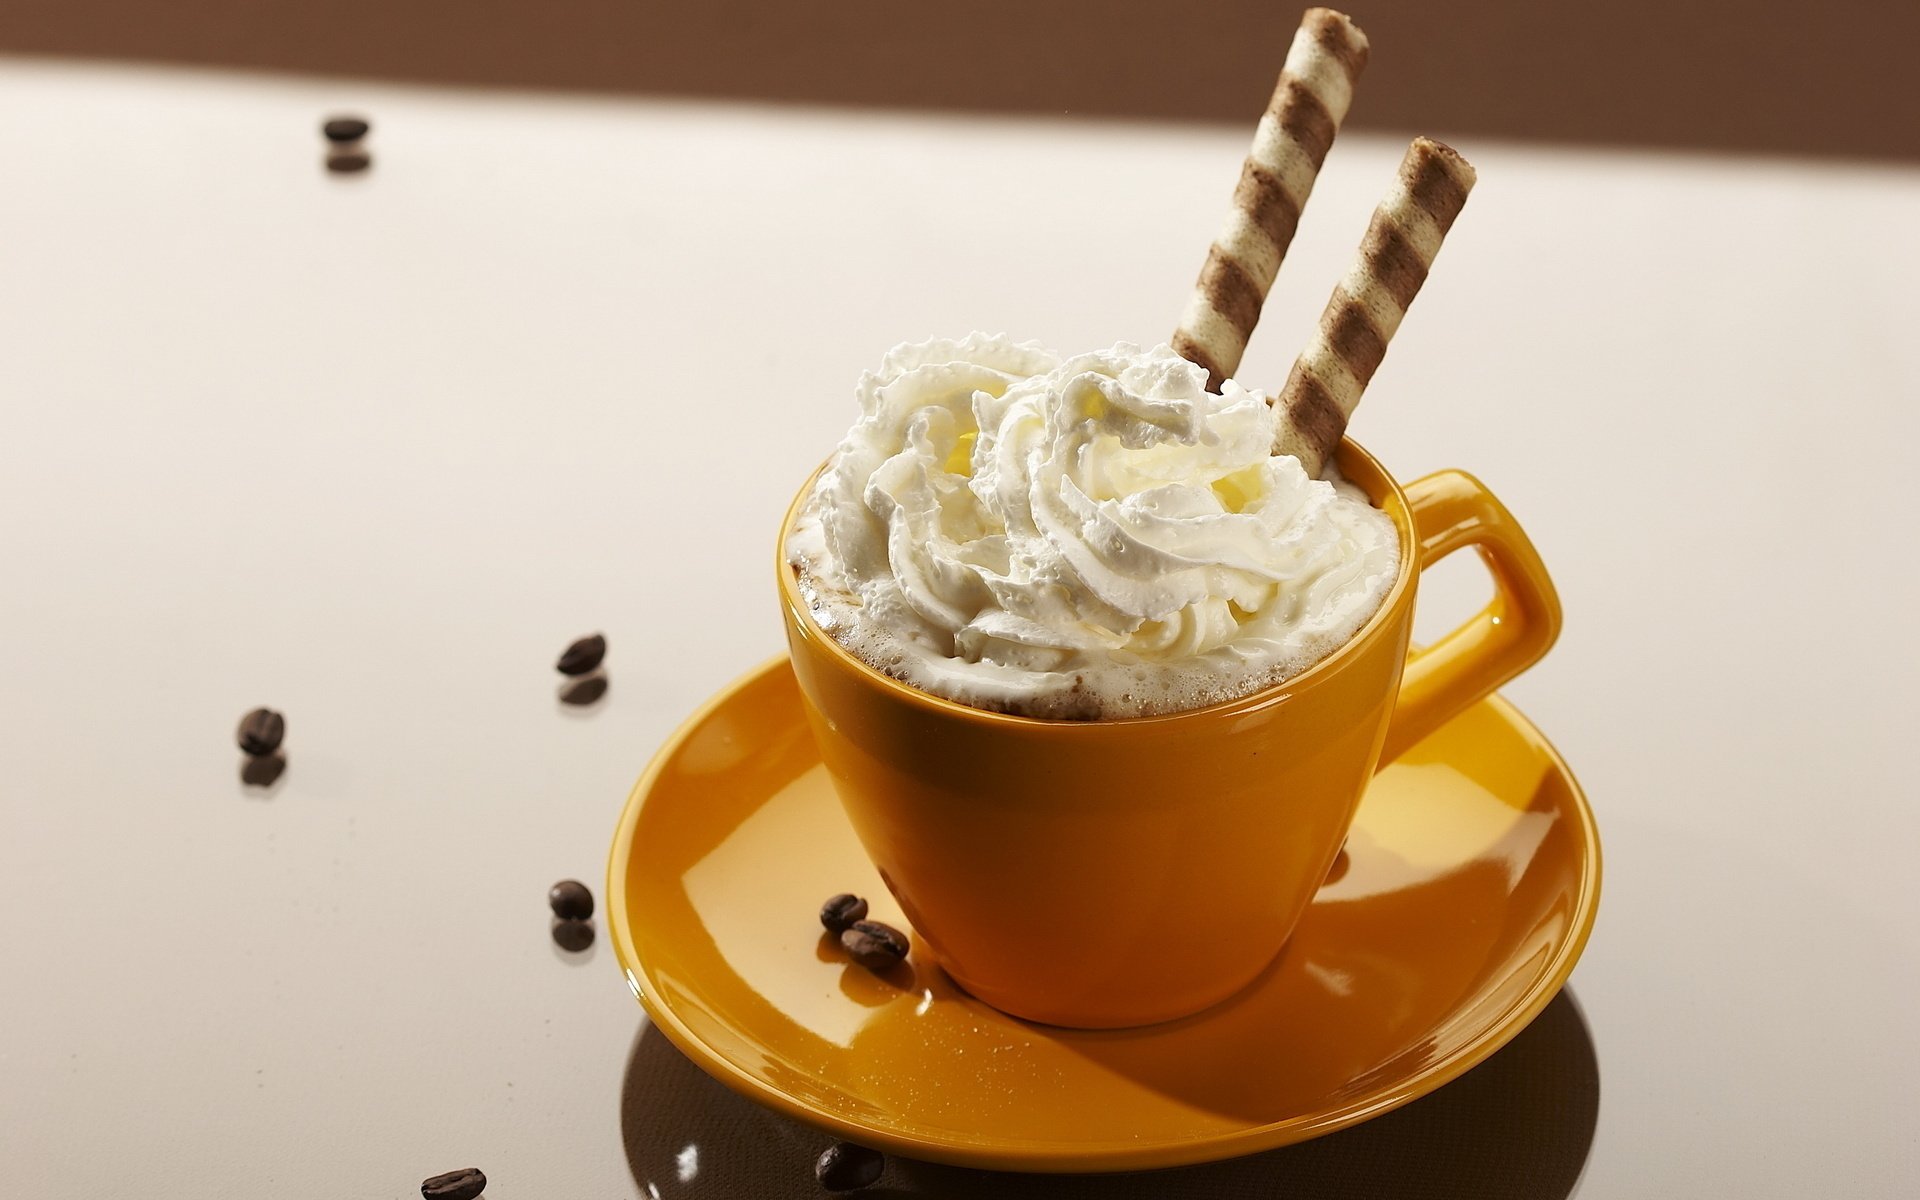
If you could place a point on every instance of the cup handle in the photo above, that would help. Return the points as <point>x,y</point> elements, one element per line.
<point>1452,509</point>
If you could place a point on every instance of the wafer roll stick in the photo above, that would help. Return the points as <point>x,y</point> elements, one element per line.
<point>1309,102</point>
<point>1365,311</point>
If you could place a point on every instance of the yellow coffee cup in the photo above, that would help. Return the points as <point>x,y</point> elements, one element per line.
<point>1100,874</point>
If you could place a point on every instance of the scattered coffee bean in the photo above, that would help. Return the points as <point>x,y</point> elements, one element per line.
<point>583,656</point>
<point>455,1185</point>
<point>261,731</point>
<point>845,1167</point>
<point>573,936</point>
<point>842,911</point>
<point>875,945</point>
<point>570,900</point>
<point>347,162</point>
<point>345,129</point>
<point>262,770</point>
<point>582,693</point>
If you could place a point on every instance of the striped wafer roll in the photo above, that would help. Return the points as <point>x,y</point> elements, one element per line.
<point>1365,311</point>
<point>1309,102</point>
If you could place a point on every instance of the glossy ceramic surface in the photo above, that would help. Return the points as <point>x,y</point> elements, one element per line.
<point>1167,858</point>
<point>1459,906</point>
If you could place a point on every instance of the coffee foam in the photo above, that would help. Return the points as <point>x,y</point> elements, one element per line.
<point>1093,538</point>
<point>1091,692</point>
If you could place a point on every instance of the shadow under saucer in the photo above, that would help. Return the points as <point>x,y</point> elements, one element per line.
<point>1517,1127</point>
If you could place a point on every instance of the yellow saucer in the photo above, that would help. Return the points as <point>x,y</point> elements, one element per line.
<point>1464,897</point>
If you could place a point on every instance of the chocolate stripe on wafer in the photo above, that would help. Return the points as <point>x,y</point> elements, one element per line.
<point>1289,145</point>
<point>1367,306</point>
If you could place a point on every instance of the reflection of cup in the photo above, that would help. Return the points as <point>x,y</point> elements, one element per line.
<point>1101,874</point>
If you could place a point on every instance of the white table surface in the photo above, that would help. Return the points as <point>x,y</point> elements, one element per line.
<point>372,450</point>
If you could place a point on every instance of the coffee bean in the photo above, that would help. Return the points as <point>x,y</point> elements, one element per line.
<point>455,1185</point>
<point>344,129</point>
<point>845,1167</point>
<point>349,161</point>
<point>570,900</point>
<point>261,730</point>
<point>842,911</point>
<point>583,693</point>
<point>262,770</point>
<point>874,945</point>
<point>583,656</point>
<point>573,936</point>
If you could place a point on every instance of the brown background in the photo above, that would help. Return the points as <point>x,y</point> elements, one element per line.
<point>1761,75</point>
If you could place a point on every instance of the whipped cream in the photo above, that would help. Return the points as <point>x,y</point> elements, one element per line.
<point>1090,537</point>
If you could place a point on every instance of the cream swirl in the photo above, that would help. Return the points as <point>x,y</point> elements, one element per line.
<point>1098,536</point>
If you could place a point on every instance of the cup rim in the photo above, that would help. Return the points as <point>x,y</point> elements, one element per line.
<point>1381,488</point>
